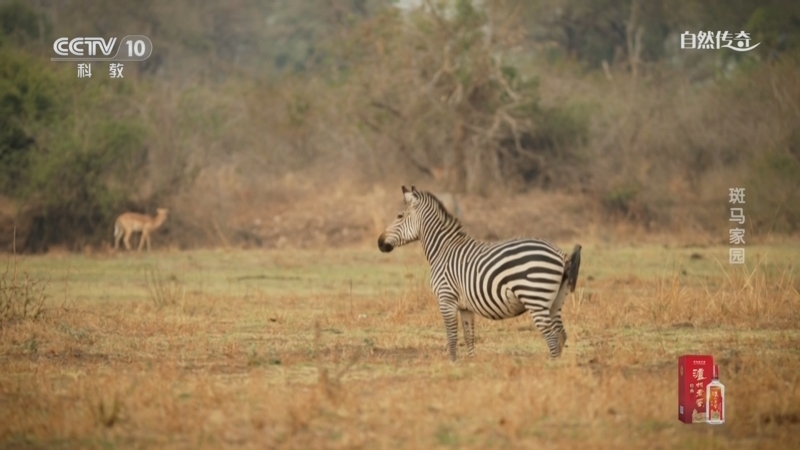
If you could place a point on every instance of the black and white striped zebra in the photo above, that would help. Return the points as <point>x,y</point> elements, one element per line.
<point>497,280</point>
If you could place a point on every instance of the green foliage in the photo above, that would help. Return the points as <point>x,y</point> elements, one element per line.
<point>299,31</point>
<point>775,26</point>
<point>65,149</point>
<point>88,173</point>
<point>453,93</point>
<point>21,22</point>
<point>28,95</point>
<point>593,31</point>
<point>467,22</point>
<point>589,31</point>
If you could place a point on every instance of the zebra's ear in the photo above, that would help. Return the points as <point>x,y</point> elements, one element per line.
<point>413,189</point>
<point>405,189</point>
<point>408,195</point>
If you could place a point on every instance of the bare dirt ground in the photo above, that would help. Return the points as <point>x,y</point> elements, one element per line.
<point>343,348</point>
<point>345,215</point>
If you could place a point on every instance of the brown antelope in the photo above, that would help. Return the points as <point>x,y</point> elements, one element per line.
<point>130,222</point>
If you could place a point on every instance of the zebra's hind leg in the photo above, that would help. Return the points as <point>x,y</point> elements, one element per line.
<point>542,320</point>
<point>468,325</point>
<point>555,316</point>
<point>558,325</point>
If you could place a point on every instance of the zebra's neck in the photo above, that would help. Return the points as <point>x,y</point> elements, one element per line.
<point>439,232</point>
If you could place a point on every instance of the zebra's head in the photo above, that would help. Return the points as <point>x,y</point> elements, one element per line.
<point>406,227</point>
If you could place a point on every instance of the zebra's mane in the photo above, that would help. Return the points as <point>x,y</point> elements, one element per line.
<point>448,217</point>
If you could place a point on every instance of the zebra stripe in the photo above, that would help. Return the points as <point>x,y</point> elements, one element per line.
<point>497,280</point>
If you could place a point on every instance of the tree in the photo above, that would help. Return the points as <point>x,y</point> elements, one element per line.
<point>442,85</point>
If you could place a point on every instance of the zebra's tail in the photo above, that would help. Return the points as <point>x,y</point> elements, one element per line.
<point>572,269</point>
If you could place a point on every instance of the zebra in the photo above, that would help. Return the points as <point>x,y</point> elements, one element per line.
<point>496,280</point>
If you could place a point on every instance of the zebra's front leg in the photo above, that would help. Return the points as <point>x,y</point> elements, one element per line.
<point>542,320</point>
<point>468,325</point>
<point>449,310</point>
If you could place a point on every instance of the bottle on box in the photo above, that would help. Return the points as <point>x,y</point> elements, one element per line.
<point>715,399</point>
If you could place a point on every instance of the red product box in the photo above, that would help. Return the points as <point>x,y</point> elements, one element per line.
<point>694,374</point>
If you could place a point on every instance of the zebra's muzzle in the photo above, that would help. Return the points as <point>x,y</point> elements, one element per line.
<point>384,246</point>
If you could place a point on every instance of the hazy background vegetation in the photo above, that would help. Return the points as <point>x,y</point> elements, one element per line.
<point>293,122</point>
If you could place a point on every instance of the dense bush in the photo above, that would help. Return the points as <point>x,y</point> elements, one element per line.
<point>496,96</point>
<point>70,151</point>
<point>439,92</point>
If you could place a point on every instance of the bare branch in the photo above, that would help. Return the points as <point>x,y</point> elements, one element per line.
<point>513,124</point>
<point>386,107</point>
<point>508,19</point>
<point>455,97</point>
<point>372,126</point>
<point>633,35</point>
<point>503,82</point>
<point>400,145</point>
<point>424,169</point>
<point>442,23</point>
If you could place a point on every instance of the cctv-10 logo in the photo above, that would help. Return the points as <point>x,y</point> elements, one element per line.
<point>131,48</point>
<point>65,47</point>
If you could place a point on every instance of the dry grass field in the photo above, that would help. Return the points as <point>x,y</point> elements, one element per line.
<point>345,349</point>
